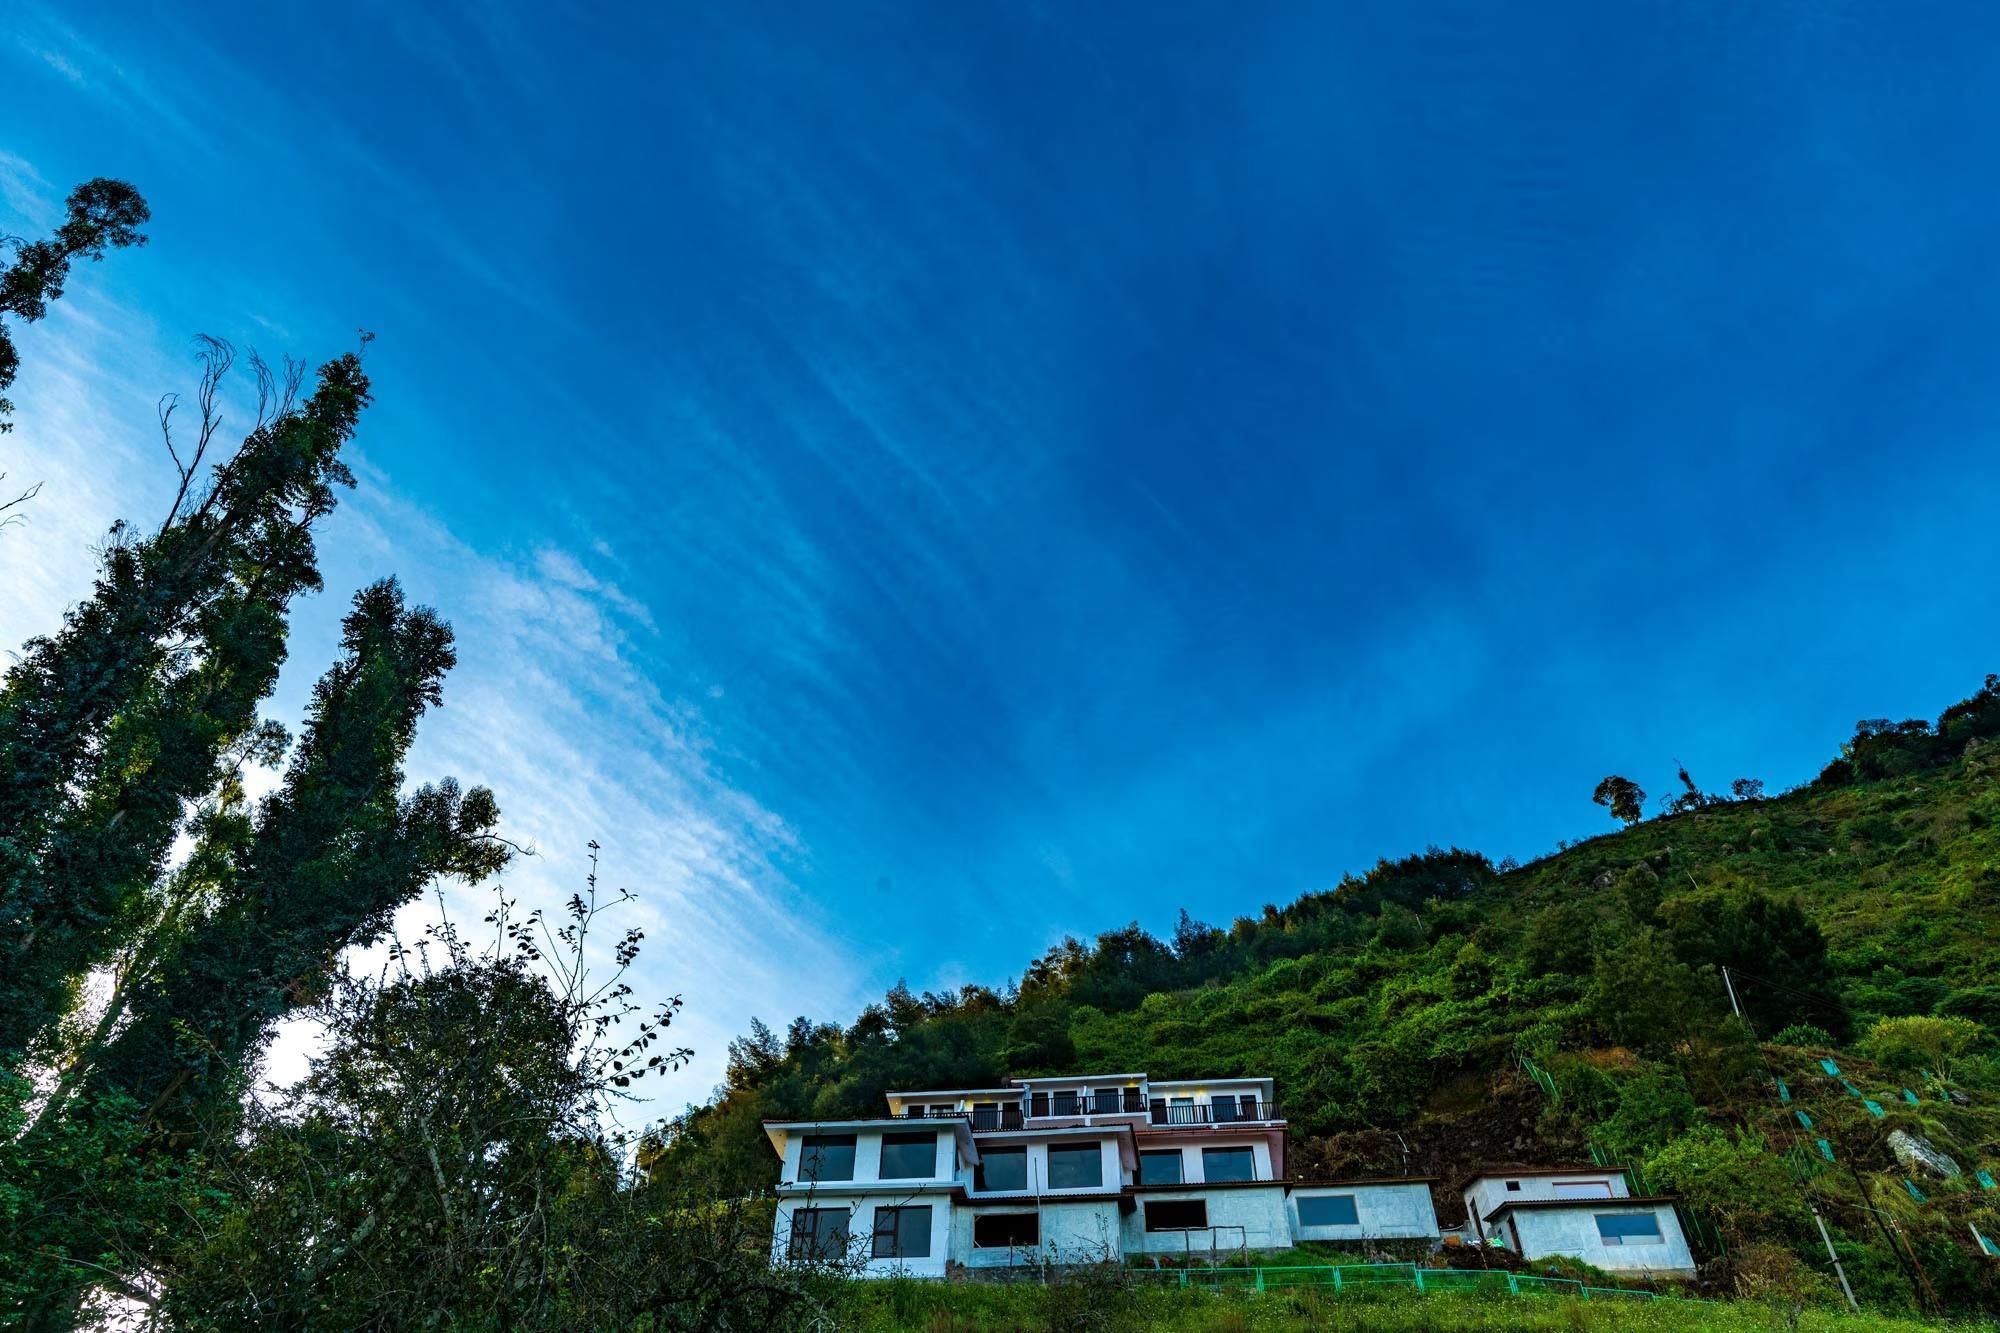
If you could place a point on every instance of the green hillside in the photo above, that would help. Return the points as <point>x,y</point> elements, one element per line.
<point>1442,1011</point>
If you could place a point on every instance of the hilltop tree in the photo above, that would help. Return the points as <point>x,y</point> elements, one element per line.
<point>104,214</point>
<point>327,859</point>
<point>1624,798</point>
<point>146,698</point>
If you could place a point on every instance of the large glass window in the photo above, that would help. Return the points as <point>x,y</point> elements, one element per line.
<point>903,1233</point>
<point>1328,1210</point>
<point>1225,1107</point>
<point>1066,1103</point>
<point>1001,1169</point>
<point>826,1157</point>
<point>1075,1166</point>
<point>1176,1214</point>
<point>999,1231</point>
<point>1628,1228</point>
<point>1225,1164</point>
<point>1160,1168</point>
<point>1106,1101</point>
<point>819,1233</point>
<point>909,1156</point>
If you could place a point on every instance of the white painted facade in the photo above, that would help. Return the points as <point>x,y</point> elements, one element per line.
<point>1062,1171</point>
<point>1383,1210</point>
<point>1583,1213</point>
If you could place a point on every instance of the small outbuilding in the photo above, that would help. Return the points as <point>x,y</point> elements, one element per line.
<point>1578,1212</point>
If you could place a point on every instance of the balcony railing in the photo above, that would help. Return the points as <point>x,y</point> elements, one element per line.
<point>1207,1113</point>
<point>986,1118</point>
<point>982,1117</point>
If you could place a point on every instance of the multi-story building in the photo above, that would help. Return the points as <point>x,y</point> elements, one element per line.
<point>1067,1170</point>
<point>1579,1212</point>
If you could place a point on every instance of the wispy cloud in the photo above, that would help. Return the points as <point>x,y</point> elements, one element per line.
<point>554,705</point>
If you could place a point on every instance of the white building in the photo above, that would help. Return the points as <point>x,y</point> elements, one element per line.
<point>1580,1212</point>
<point>1067,1170</point>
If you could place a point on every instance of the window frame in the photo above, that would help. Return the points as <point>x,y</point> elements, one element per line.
<point>1150,1206</point>
<point>1656,1236</point>
<point>815,1242</point>
<point>811,1145</point>
<point>1096,1151</point>
<point>908,1140</point>
<point>981,1183</point>
<point>1034,1227</point>
<point>1209,1155</point>
<point>894,1215</point>
<point>1353,1203</point>
<point>1180,1165</point>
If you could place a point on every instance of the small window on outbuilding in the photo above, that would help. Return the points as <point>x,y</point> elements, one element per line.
<point>1514,1186</point>
<point>1328,1210</point>
<point>1583,1189</point>
<point>1628,1228</point>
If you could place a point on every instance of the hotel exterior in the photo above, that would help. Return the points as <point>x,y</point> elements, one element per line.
<point>1064,1171</point>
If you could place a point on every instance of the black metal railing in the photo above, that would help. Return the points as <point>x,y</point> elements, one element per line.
<point>1212,1113</point>
<point>982,1117</point>
<point>986,1118</point>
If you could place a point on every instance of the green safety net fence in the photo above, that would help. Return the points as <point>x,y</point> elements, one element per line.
<point>1387,1277</point>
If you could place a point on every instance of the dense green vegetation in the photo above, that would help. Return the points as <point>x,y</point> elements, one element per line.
<point>1858,917</point>
<point>928,1307</point>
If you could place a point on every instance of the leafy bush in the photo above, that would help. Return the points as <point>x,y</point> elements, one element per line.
<point>1921,1041</point>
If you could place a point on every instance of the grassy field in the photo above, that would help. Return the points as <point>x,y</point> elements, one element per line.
<point>931,1307</point>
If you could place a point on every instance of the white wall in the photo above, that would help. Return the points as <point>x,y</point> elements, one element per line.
<point>1573,1232</point>
<point>868,1153</point>
<point>1383,1212</point>
<point>1190,1151</point>
<point>1489,1192</point>
<point>1260,1212</point>
<point>1038,1164</point>
<point>861,1230</point>
<point>1075,1232</point>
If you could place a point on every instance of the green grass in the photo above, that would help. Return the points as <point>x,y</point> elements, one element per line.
<point>933,1307</point>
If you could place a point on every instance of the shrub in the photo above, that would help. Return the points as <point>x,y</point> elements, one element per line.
<point>1921,1041</point>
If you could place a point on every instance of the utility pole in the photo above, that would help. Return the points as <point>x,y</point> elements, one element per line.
<point>1729,985</point>
<point>1838,1271</point>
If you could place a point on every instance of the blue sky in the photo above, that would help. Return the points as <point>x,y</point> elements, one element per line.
<point>916,480</point>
